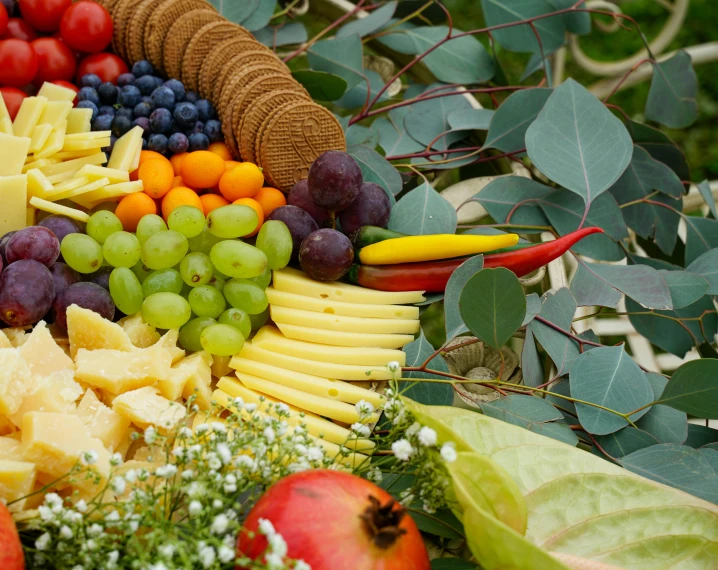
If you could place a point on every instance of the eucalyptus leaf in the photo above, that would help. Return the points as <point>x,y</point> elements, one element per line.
<point>699,435</point>
<point>239,12</point>
<point>706,265</point>
<point>393,137</point>
<point>576,142</point>
<point>427,121</point>
<point>441,523</point>
<point>705,190</point>
<point>426,392</point>
<point>624,441</point>
<point>531,366</point>
<point>609,377</point>
<point>660,147</point>
<point>558,431</point>
<point>356,97</point>
<point>701,236</point>
<point>693,389</point>
<point>514,193</point>
<point>589,290</point>
<point>259,17</point>
<point>507,131</point>
<point>375,21</point>
<point>375,168</point>
<point>685,287</point>
<point>452,317</point>
<point>471,119</point>
<point>522,38</point>
<point>339,56</point>
<point>492,305</point>
<point>292,33</point>
<point>421,212</point>
<point>359,135</point>
<point>666,424</point>
<point>535,63</point>
<point>558,309</point>
<point>533,308</point>
<point>672,96</point>
<point>575,22</point>
<point>321,85</point>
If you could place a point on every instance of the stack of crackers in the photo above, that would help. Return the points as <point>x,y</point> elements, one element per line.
<point>267,117</point>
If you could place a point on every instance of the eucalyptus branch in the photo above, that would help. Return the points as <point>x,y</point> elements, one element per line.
<point>398,23</point>
<point>286,10</point>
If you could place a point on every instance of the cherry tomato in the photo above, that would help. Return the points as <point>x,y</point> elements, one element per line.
<point>13,98</point>
<point>3,19</point>
<point>44,15</point>
<point>106,65</point>
<point>19,29</point>
<point>55,60</point>
<point>86,27</point>
<point>18,63</point>
<point>68,85</point>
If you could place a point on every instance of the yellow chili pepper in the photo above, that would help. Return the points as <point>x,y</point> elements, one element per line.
<point>428,248</point>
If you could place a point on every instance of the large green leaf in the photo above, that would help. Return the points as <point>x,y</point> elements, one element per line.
<point>423,211</point>
<point>471,119</point>
<point>589,290</point>
<point>260,17</point>
<point>693,389</point>
<point>427,121</point>
<point>452,317</point>
<point>339,56</point>
<point>393,137</point>
<point>371,23</point>
<point>503,195</point>
<point>701,236</point>
<point>581,504</point>
<point>685,287</point>
<point>666,424</point>
<point>558,309</point>
<point>672,96</point>
<point>609,377</point>
<point>493,305</point>
<point>531,366</point>
<point>699,435</point>
<point>522,38</point>
<point>707,266</point>
<point>375,168</point>
<point>624,441</point>
<point>439,394</point>
<point>575,22</point>
<point>321,85</point>
<point>660,147</point>
<point>289,34</point>
<point>507,130</point>
<point>356,97</point>
<point>578,143</point>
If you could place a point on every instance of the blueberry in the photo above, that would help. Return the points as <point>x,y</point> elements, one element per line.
<point>158,143</point>
<point>159,82</point>
<point>143,110</point>
<point>129,96</point>
<point>108,93</point>
<point>89,105</point>
<point>126,79</point>
<point>186,115</point>
<point>191,97</point>
<point>146,84</point>
<point>163,98</point>
<point>198,141</point>
<point>120,125</point>
<point>143,122</point>
<point>161,121</point>
<point>206,110</point>
<point>126,112</point>
<point>107,110</point>
<point>142,68</point>
<point>90,80</point>
<point>198,128</point>
<point>178,143</point>
<point>177,88</point>
<point>213,130</point>
<point>144,144</point>
<point>89,94</point>
<point>102,123</point>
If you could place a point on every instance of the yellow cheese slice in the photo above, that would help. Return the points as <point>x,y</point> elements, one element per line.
<point>62,177</point>
<point>323,369</point>
<point>53,208</point>
<point>39,164</point>
<point>54,141</point>
<point>334,338</point>
<point>270,338</point>
<point>117,372</point>
<point>111,192</point>
<point>86,145</point>
<point>72,154</point>
<point>145,407</point>
<point>30,216</point>
<point>70,184</point>
<point>57,93</point>
<point>13,151</point>
<point>75,164</point>
<point>86,137</point>
<point>294,281</point>
<point>5,121</point>
<point>28,116</point>
<point>125,149</point>
<point>295,301</point>
<point>37,184</point>
<point>96,172</point>
<point>87,329</point>
<point>79,121</point>
<point>17,479</point>
<point>39,137</point>
<point>13,197</point>
<point>55,112</point>
<point>56,195</point>
<point>324,387</point>
<point>342,323</point>
<point>103,423</point>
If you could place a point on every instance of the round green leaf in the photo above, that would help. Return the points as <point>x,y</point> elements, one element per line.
<point>693,389</point>
<point>321,85</point>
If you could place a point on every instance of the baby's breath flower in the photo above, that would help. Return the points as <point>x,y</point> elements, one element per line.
<point>274,561</point>
<point>113,557</point>
<point>116,459</point>
<point>315,453</point>
<point>201,429</point>
<point>301,565</point>
<point>238,402</point>
<point>277,545</point>
<point>187,474</point>
<point>269,434</point>
<point>185,432</point>
<point>402,449</point>
<point>195,508</point>
<point>81,505</point>
<point>266,527</point>
<point>118,485</point>
<point>150,435</point>
<point>95,530</point>
<point>219,524</point>
<point>394,367</point>
<point>413,429</point>
<point>157,566</point>
<point>224,452</point>
<point>225,554</point>
<point>43,541</point>
<point>217,504</point>
<point>448,452</point>
<point>250,407</point>
<point>89,457</point>
<point>66,532</point>
<point>166,471</point>
<point>375,475</point>
<point>179,452</point>
<point>207,556</point>
<point>361,430</point>
<point>131,476</point>
<point>167,550</point>
<point>427,436</point>
<point>364,408</point>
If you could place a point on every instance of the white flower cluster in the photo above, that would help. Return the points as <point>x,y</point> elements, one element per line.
<point>276,553</point>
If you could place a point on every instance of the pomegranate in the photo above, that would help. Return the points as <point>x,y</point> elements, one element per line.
<point>334,520</point>
<point>11,556</point>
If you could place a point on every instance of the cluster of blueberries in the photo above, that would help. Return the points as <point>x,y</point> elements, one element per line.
<point>174,120</point>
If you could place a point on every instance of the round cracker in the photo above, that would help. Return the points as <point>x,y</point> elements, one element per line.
<point>135,32</point>
<point>219,55</point>
<point>179,36</point>
<point>237,64</point>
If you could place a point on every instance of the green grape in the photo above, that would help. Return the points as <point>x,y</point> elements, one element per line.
<point>217,282</point>
<point>275,241</point>
<point>189,334</point>
<point>206,301</point>
<point>149,225</point>
<point>238,319</point>
<point>221,340</point>
<point>204,241</point>
<point>259,320</point>
<point>164,250</point>
<point>264,279</point>
<point>196,269</point>
<point>162,281</point>
<point>103,224</point>
<point>166,310</point>
<point>246,295</point>
<point>142,271</point>
<point>122,249</point>
<point>186,290</point>
<point>82,253</point>
<point>237,259</point>
<point>126,290</point>
<point>232,221</point>
<point>187,220</point>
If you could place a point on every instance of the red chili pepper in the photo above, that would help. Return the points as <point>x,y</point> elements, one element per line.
<point>432,276</point>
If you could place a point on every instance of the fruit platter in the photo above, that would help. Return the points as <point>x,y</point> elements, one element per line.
<point>225,247</point>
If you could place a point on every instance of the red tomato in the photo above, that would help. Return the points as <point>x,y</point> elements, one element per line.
<point>44,15</point>
<point>13,98</point>
<point>68,85</point>
<point>55,60</point>
<point>18,63</point>
<point>106,65</point>
<point>86,27</point>
<point>3,19</point>
<point>19,29</point>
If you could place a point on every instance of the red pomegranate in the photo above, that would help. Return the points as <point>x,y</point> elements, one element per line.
<point>11,556</point>
<point>333,520</point>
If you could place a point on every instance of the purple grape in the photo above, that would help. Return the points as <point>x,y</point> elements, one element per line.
<point>326,255</point>
<point>86,295</point>
<point>299,196</point>
<point>61,226</point>
<point>371,208</point>
<point>26,293</point>
<point>334,180</point>
<point>63,275</point>
<point>35,242</point>
<point>3,245</point>
<point>100,277</point>
<point>299,222</point>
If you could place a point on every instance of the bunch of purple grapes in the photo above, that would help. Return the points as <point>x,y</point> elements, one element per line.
<point>334,191</point>
<point>35,284</point>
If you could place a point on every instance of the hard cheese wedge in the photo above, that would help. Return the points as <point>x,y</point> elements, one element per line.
<point>294,281</point>
<point>79,121</point>
<point>53,208</point>
<point>79,191</point>
<point>86,329</point>
<point>119,372</point>
<point>39,137</point>
<point>145,407</point>
<point>127,147</point>
<point>13,197</point>
<point>110,192</point>
<point>295,301</point>
<point>75,164</point>
<point>103,423</point>
<point>28,116</point>
<point>98,172</point>
<point>37,184</point>
<point>324,369</point>
<point>13,152</point>
<point>342,323</point>
<point>55,112</point>
<point>5,121</point>
<point>334,338</point>
<point>17,479</point>
<point>271,338</point>
<point>57,93</point>
<point>42,353</point>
